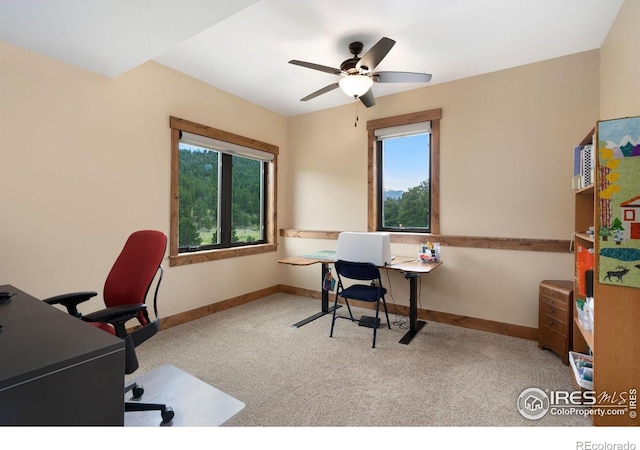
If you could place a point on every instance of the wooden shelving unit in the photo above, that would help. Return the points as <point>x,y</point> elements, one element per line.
<point>615,339</point>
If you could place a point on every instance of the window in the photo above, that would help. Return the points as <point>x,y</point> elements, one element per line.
<point>403,173</point>
<point>223,194</point>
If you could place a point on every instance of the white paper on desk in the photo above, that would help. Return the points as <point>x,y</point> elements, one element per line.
<point>372,247</point>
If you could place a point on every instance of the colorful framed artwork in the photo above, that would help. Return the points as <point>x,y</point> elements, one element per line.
<point>618,190</point>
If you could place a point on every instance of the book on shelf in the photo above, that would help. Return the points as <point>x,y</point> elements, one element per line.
<point>577,152</point>
<point>585,263</point>
<point>577,167</point>
<point>583,166</point>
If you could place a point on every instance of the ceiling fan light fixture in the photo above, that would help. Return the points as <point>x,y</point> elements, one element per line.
<point>355,85</point>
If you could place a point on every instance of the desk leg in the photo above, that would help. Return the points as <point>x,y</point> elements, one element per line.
<point>325,301</point>
<point>415,325</point>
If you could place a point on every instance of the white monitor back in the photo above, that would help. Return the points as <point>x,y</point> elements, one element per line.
<point>372,247</point>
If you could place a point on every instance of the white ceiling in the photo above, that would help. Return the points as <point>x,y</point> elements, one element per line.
<point>243,46</point>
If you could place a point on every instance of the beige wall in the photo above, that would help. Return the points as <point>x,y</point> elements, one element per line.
<point>620,65</point>
<point>506,166</point>
<point>85,160</point>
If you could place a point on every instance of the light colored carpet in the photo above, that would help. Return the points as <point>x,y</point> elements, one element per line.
<point>447,376</point>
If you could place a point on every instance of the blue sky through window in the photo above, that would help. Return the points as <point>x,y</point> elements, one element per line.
<point>406,162</point>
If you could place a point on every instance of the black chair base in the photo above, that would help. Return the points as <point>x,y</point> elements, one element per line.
<point>166,412</point>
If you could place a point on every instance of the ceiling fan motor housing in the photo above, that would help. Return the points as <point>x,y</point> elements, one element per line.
<point>349,65</point>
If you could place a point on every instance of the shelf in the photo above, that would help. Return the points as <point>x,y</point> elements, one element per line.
<point>585,237</point>
<point>585,190</point>
<point>586,334</point>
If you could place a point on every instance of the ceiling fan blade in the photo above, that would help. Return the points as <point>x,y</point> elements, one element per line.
<point>324,90</point>
<point>368,99</point>
<point>401,77</point>
<point>313,66</point>
<point>375,54</point>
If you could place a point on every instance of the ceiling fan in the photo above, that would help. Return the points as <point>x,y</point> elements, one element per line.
<point>357,72</point>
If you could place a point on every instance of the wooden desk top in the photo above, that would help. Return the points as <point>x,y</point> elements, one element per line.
<point>300,261</point>
<point>413,265</point>
<point>400,263</point>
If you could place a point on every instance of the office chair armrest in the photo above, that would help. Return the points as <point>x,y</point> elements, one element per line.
<point>115,314</point>
<point>71,300</point>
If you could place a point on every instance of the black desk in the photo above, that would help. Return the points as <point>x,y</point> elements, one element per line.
<point>409,267</point>
<point>56,369</point>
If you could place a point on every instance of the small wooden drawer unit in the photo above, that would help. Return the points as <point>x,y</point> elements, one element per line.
<point>555,327</point>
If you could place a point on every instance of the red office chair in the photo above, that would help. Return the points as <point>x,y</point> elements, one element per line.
<point>124,294</point>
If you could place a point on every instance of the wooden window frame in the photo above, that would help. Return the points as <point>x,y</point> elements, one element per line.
<point>434,116</point>
<point>175,257</point>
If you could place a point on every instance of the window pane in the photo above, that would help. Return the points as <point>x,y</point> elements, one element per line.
<point>246,200</point>
<point>198,197</point>
<point>405,182</point>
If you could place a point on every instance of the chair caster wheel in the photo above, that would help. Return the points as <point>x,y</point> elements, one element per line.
<point>167,415</point>
<point>137,391</point>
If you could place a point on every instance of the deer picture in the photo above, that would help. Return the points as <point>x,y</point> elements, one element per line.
<point>622,271</point>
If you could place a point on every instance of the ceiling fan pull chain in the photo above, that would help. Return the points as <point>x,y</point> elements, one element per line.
<point>355,124</point>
